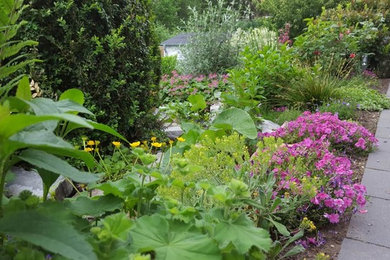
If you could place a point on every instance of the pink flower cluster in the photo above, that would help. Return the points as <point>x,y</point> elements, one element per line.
<point>341,134</point>
<point>179,87</point>
<point>284,35</point>
<point>320,170</point>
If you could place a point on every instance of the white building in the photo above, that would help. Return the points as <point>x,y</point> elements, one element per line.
<point>172,46</point>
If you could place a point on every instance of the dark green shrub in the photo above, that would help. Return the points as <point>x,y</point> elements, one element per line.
<point>106,48</point>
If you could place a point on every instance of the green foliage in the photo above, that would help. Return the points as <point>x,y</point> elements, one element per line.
<point>168,64</point>
<point>294,12</point>
<point>242,235</point>
<point>374,17</point>
<point>49,232</point>
<point>172,240</point>
<point>344,110</point>
<point>312,90</point>
<point>337,43</point>
<point>287,115</point>
<point>366,98</point>
<point>261,78</point>
<point>236,119</point>
<point>108,50</point>
<point>209,49</point>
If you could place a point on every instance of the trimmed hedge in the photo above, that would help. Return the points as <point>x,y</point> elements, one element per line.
<point>106,48</point>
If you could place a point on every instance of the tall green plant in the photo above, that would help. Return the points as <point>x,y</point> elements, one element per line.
<point>10,59</point>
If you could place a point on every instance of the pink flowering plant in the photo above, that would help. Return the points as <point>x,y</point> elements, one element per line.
<point>318,182</point>
<point>342,135</point>
<point>177,88</point>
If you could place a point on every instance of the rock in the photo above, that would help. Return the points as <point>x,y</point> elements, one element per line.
<point>31,181</point>
<point>268,126</point>
<point>64,190</point>
<point>173,131</point>
<point>24,180</point>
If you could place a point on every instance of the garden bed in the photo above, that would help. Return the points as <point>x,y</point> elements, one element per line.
<point>335,234</point>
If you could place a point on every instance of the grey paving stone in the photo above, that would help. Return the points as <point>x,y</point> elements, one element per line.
<point>384,119</point>
<point>383,145</point>
<point>383,132</point>
<point>379,160</point>
<point>374,226</point>
<point>356,250</point>
<point>377,183</point>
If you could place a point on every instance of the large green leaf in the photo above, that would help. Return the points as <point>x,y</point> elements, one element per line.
<point>118,225</point>
<point>236,119</point>
<point>14,123</point>
<point>197,101</point>
<point>56,165</point>
<point>172,241</point>
<point>242,234</point>
<point>73,94</point>
<point>48,232</point>
<point>67,106</point>
<point>23,91</point>
<point>96,206</point>
<point>45,141</point>
<point>106,129</point>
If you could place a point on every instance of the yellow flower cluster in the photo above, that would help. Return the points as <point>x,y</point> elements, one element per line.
<point>90,145</point>
<point>308,224</point>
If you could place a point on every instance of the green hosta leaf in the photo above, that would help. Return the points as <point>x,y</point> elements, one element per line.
<point>14,123</point>
<point>47,232</point>
<point>95,207</point>
<point>69,106</point>
<point>73,94</point>
<point>171,241</point>
<point>242,234</point>
<point>56,165</point>
<point>197,101</point>
<point>46,141</point>
<point>106,129</point>
<point>236,119</point>
<point>23,91</point>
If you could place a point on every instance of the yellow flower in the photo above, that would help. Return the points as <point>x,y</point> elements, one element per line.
<point>145,142</point>
<point>116,144</point>
<point>180,139</point>
<point>135,144</point>
<point>170,142</point>
<point>84,138</point>
<point>153,139</point>
<point>97,142</point>
<point>91,142</point>
<point>88,149</point>
<point>155,144</point>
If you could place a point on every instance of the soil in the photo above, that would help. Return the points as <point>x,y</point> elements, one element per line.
<point>335,234</point>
